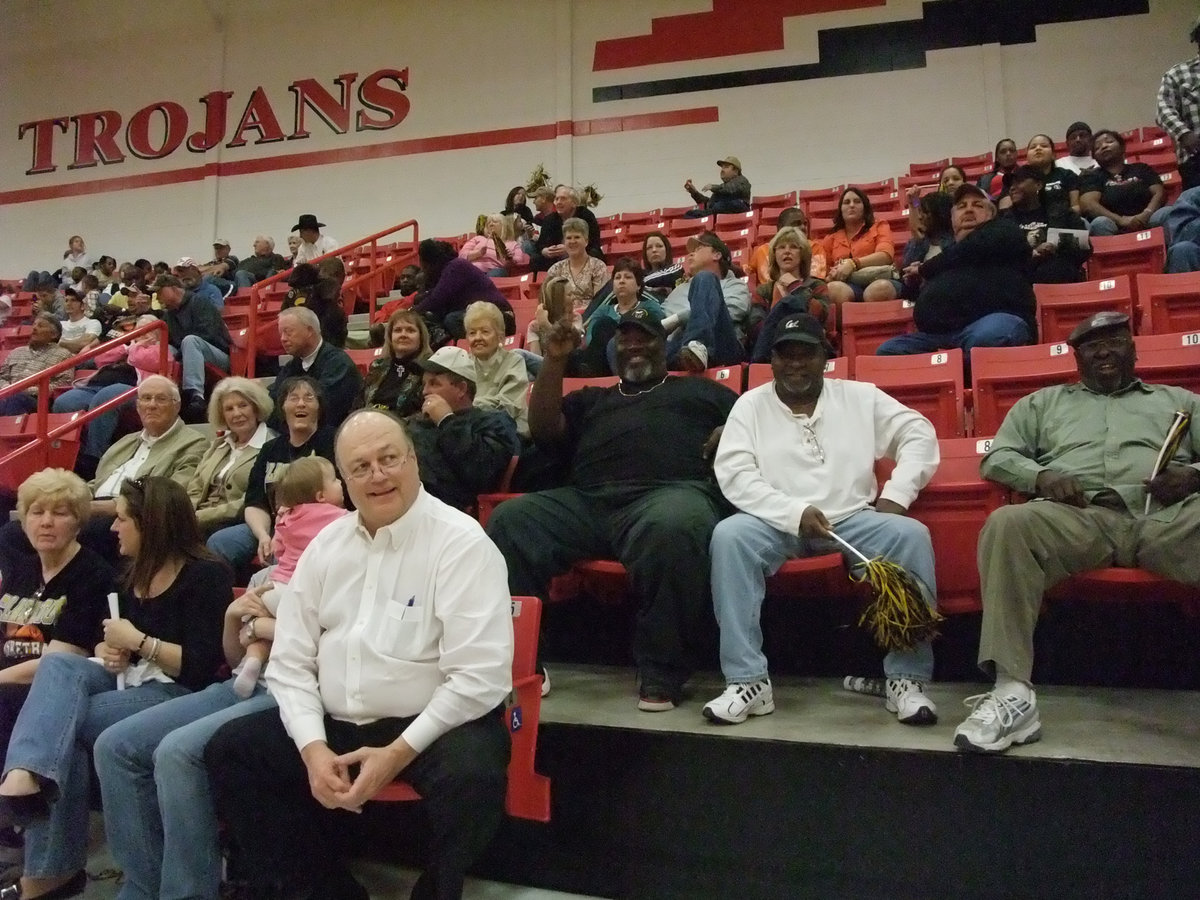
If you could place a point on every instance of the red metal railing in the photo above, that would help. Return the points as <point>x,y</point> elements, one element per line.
<point>40,440</point>
<point>379,263</point>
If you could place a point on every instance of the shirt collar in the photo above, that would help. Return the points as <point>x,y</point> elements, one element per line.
<point>261,435</point>
<point>397,531</point>
<point>307,361</point>
<point>1136,385</point>
<point>151,441</point>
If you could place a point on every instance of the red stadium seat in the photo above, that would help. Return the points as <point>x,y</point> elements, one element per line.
<point>515,289</point>
<point>818,228</point>
<point>965,162</point>
<point>639,230</point>
<point>1170,359</point>
<point>829,193</point>
<point>686,227</point>
<point>886,186</point>
<point>933,168</point>
<point>823,209</point>
<point>528,794</point>
<point>364,357</point>
<point>1000,376</point>
<point>649,215</point>
<point>898,219</point>
<point>891,202</point>
<point>1172,186</point>
<point>737,240</point>
<point>1169,303</point>
<point>763,200</point>
<point>617,250</point>
<point>1060,307</point>
<point>1159,162</point>
<point>673,212</point>
<point>733,377</point>
<point>867,325</point>
<point>1127,254</point>
<point>926,183</point>
<point>770,215</point>
<point>1151,132</point>
<point>930,383</point>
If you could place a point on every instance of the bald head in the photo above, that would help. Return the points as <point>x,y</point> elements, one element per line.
<point>376,459</point>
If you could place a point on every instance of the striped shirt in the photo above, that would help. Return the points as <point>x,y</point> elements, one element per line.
<point>25,361</point>
<point>1179,102</point>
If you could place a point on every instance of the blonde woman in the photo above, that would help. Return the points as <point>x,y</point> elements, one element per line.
<point>585,274</point>
<point>501,379</point>
<point>238,412</point>
<point>496,249</point>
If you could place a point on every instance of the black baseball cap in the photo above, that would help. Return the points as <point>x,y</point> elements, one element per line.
<point>645,319</point>
<point>802,328</point>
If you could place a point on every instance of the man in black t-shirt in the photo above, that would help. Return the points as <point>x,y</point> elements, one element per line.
<point>641,491</point>
<point>1117,196</point>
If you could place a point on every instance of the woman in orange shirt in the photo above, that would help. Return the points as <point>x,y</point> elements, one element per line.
<point>857,244</point>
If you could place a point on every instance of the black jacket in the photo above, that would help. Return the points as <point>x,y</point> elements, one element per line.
<point>338,377</point>
<point>197,316</point>
<point>465,455</point>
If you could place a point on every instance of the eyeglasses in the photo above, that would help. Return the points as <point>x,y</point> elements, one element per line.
<point>1095,345</point>
<point>387,464</point>
<point>810,441</point>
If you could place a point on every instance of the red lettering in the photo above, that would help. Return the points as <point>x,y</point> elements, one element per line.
<point>310,94</point>
<point>258,117</point>
<point>43,143</point>
<point>95,139</point>
<point>216,104</point>
<point>381,98</point>
<point>175,124</point>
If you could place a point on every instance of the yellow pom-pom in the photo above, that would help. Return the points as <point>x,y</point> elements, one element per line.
<point>897,617</point>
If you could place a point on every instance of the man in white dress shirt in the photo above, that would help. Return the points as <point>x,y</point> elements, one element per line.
<point>392,657</point>
<point>797,458</point>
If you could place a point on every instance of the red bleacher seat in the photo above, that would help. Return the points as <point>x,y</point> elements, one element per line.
<point>607,221</point>
<point>823,209</point>
<point>925,183</point>
<point>763,200</point>
<point>1170,359</point>
<point>1150,132</point>
<point>1127,254</point>
<point>686,227</point>
<point>928,168</point>
<point>867,325</point>
<point>930,383</point>
<point>806,197</point>
<point>1169,303</point>
<point>1000,376</point>
<point>818,228</point>
<point>963,162</point>
<point>1144,148</point>
<point>639,230</point>
<point>364,357</point>
<point>886,186</point>
<point>649,215</point>
<point>515,289</point>
<point>528,793</point>
<point>1172,187</point>
<point>1060,307</point>
<point>616,250</point>
<point>893,201</point>
<point>1159,162</point>
<point>898,219</point>
<point>733,377</point>
<point>770,215</point>
<point>673,212</point>
<point>737,240</point>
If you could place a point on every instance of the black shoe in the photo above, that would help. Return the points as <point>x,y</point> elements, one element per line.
<point>195,410</point>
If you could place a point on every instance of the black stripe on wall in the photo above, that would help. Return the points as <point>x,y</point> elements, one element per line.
<point>895,46</point>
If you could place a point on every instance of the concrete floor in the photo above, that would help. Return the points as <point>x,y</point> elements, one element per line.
<point>1138,727</point>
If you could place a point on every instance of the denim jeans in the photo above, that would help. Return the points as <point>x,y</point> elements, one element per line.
<point>993,330</point>
<point>244,279</point>
<point>745,550</point>
<point>1103,226</point>
<point>709,323</point>
<point>1183,256</point>
<point>18,404</point>
<point>236,544</point>
<point>98,433</point>
<point>158,811</point>
<point>194,352</point>
<point>72,700</point>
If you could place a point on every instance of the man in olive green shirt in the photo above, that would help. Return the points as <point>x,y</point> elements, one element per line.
<point>1085,451</point>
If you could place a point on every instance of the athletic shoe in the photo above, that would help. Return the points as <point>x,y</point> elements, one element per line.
<point>694,356</point>
<point>656,699</point>
<point>872,687</point>
<point>996,723</point>
<point>740,701</point>
<point>906,698</point>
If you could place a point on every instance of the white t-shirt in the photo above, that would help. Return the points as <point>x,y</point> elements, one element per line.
<point>73,331</point>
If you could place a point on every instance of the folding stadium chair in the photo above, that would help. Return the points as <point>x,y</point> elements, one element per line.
<point>804,198</point>
<point>1060,307</point>
<point>764,200</point>
<point>616,250</point>
<point>364,357</point>
<point>1169,303</point>
<point>673,212</point>
<point>630,218</point>
<point>933,168</point>
<point>823,209</point>
<point>930,383</point>
<point>1169,359</point>
<point>1127,254</point>
<point>528,795</point>
<point>639,230</point>
<point>964,162</point>
<point>1172,187</point>
<point>1152,132</point>
<point>867,325</point>
<point>886,186</point>
<point>515,289</point>
<point>733,377</point>
<point>683,228</point>
<point>1000,376</point>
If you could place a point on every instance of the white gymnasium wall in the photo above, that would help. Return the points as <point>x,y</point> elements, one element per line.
<point>478,66</point>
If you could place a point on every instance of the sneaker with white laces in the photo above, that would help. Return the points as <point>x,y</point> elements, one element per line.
<point>694,356</point>
<point>906,698</point>
<point>740,701</point>
<point>996,723</point>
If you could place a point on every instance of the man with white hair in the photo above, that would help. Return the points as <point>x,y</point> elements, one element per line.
<point>329,366</point>
<point>977,292</point>
<point>198,333</point>
<point>550,248</point>
<point>264,263</point>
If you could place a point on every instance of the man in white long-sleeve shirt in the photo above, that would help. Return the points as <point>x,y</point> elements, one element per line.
<point>392,655</point>
<point>797,459</point>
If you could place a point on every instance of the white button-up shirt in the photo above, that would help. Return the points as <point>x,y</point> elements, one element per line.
<point>415,621</point>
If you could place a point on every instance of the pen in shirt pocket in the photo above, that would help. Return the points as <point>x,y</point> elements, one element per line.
<point>408,606</point>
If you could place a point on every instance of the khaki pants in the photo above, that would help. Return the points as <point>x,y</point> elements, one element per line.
<point>1027,548</point>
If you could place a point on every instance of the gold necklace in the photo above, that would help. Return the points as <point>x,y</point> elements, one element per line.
<point>621,388</point>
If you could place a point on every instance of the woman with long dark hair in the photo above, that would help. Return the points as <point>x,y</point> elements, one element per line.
<point>858,250</point>
<point>165,643</point>
<point>451,285</point>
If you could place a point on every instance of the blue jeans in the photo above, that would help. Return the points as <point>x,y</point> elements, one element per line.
<point>709,323</point>
<point>244,279</point>
<point>18,404</point>
<point>72,700</point>
<point>194,352</point>
<point>1183,256</point>
<point>235,543</point>
<point>98,433</point>
<point>745,550</point>
<point>158,811</point>
<point>1103,226</point>
<point>993,330</point>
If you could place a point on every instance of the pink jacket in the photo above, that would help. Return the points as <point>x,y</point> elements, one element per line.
<point>489,260</point>
<point>294,530</point>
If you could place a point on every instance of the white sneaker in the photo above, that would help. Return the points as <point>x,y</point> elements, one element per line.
<point>996,723</point>
<point>697,350</point>
<point>906,698</point>
<point>740,701</point>
<point>545,673</point>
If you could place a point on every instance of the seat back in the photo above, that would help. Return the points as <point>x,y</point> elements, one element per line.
<point>1127,254</point>
<point>733,377</point>
<point>1060,307</point>
<point>930,383</point>
<point>363,358</point>
<point>1169,303</point>
<point>1170,359</point>
<point>1000,376</point>
<point>867,325</point>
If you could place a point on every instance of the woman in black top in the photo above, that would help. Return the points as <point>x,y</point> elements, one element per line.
<point>394,381</point>
<point>516,204</point>
<point>167,642</point>
<point>1119,197</point>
